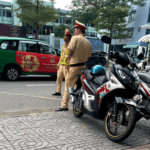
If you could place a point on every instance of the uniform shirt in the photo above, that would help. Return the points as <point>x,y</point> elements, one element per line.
<point>81,48</point>
<point>64,53</point>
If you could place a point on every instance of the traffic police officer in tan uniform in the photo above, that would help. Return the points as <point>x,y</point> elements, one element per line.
<point>79,52</point>
<point>63,65</point>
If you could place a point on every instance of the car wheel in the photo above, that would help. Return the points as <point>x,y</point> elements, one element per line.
<point>12,73</point>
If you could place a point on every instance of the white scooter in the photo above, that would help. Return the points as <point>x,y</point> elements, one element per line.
<point>140,65</point>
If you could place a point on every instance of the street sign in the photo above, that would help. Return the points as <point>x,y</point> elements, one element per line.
<point>11,30</point>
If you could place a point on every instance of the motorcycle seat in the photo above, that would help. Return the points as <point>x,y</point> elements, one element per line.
<point>95,81</point>
<point>145,77</point>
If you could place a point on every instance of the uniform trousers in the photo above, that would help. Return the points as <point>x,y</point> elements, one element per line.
<point>70,81</point>
<point>62,73</point>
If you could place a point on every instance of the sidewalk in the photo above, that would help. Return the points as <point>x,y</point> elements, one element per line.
<point>63,131</point>
<point>110,64</point>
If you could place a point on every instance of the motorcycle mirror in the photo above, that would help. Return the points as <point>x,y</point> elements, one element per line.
<point>106,39</point>
<point>140,56</point>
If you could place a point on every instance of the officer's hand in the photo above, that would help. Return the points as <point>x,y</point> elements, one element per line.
<point>67,67</point>
<point>57,67</point>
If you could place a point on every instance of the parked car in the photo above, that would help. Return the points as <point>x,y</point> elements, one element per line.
<point>97,58</point>
<point>21,56</point>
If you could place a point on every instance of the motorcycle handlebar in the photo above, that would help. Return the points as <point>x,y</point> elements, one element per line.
<point>113,55</point>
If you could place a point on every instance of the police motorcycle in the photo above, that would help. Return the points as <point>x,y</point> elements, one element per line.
<point>109,100</point>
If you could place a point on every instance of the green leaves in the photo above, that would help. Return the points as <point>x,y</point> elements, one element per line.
<point>59,30</point>
<point>35,13</point>
<point>112,19</point>
<point>105,14</point>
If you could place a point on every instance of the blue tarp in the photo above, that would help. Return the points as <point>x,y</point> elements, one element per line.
<point>138,43</point>
<point>96,44</point>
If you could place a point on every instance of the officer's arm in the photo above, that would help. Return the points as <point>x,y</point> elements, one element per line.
<point>59,60</point>
<point>70,53</point>
<point>71,47</point>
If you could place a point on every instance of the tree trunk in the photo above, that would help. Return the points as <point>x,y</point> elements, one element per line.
<point>37,33</point>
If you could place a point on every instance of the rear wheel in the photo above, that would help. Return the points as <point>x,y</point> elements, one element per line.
<point>123,127</point>
<point>77,113</point>
<point>12,73</point>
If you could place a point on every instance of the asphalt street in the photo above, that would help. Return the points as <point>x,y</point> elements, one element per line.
<point>30,93</point>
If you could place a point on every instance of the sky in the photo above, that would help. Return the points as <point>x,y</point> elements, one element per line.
<point>59,3</point>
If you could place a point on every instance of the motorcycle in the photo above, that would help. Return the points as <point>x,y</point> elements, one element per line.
<point>140,66</point>
<point>114,100</point>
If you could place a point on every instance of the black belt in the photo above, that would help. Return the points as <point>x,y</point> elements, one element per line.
<point>75,65</point>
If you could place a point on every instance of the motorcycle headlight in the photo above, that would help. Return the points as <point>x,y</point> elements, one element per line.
<point>126,79</point>
<point>123,75</point>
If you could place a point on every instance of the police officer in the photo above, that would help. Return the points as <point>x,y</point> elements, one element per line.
<point>63,65</point>
<point>79,52</point>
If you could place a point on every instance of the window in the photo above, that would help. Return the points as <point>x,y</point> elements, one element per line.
<point>130,32</point>
<point>8,13</point>
<point>4,44</point>
<point>61,20</point>
<point>149,16</point>
<point>9,45</point>
<point>46,49</point>
<point>147,31</point>
<point>132,16</point>
<point>68,21</point>
<point>3,13</point>
<point>27,46</point>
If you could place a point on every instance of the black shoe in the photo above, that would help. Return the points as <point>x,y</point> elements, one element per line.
<point>57,94</point>
<point>61,109</point>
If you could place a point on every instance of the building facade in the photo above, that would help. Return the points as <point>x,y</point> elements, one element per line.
<point>5,13</point>
<point>7,16</point>
<point>139,16</point>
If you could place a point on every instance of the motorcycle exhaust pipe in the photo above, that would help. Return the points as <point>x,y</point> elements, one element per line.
<point>71,94</point>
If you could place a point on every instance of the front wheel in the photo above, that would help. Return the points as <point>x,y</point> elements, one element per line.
<point>123,127</point>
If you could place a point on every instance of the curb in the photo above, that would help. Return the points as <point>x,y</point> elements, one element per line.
<point>143,147</point>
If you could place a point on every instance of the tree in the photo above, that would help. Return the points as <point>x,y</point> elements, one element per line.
<point>35,13</point>
<point>59,30</point>
<point>113,21</point>
<point>109,14</point>
<point>87,16</point>
<point>88,10</point>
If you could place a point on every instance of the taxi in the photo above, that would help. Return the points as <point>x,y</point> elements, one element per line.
<point>21,56</point>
